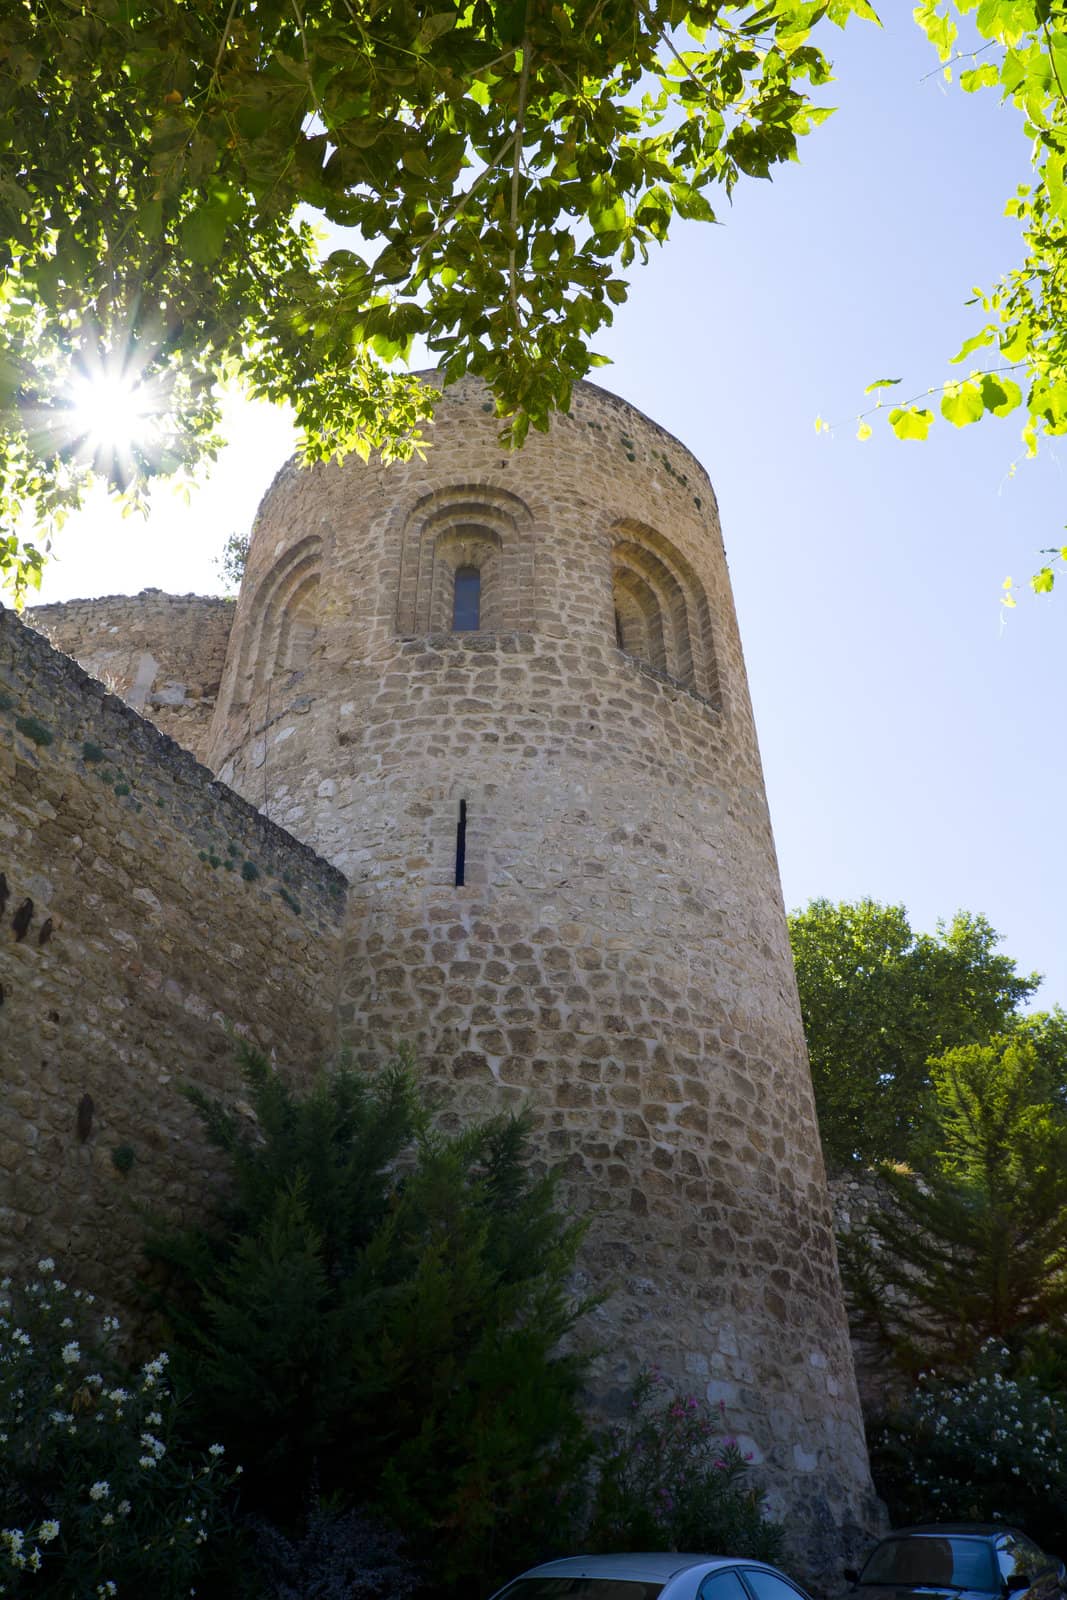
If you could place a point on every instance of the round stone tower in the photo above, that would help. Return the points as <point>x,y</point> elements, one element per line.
<point>504,693</point>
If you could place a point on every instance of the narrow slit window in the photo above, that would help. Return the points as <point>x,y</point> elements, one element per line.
<point>467,600</point>
<point>461,845</point>
<point>618,632</point>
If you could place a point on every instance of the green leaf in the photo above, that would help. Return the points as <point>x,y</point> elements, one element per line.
<point>1043,582</point>
<point>983,337</point>
<point>433,27</point>
<point>881,383</point>
<point>203,234</point>
<point>962,404</point>
<point>911,422</point>
<point>1000,395</point>
<point>864,431</point>
<point>984,77</point>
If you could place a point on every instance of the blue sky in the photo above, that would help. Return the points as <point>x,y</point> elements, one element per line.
<point>912,731</point>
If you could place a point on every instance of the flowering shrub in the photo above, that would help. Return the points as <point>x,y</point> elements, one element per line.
<point>97,1497</point>
<point>669,1480</point>
<point>992,1448</point>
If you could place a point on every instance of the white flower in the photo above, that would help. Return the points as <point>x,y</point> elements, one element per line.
<point>108,1520</point>
<point>71,1353</point>
<point>111,1324</point>
<point>154,1419</point>
<point>100,1490</point>
<point>124,1508</point>
<point>107,1589</point>
<point>46,1264</point>
<point>146,1462</point>
<point>217,1450</point>
<point>48,1530</point>
<point>117,1395</point>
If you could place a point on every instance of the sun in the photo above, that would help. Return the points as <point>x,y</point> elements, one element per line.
<point>114,414</point>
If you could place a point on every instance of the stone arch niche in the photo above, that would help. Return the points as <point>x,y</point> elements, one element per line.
<point>487,529</point>
<point>283,621</point>
<point>661,610</point>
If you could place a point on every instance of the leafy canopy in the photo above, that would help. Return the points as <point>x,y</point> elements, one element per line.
<point>501,163</point>
<point>878,1000</point>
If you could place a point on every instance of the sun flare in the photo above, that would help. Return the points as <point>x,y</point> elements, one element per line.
<point>113,414</point>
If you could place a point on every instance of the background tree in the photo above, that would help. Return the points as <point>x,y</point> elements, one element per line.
<point>878,1000</point>
<point>499,164</point>
<point>378,1312</point>
<point>973,1247</point>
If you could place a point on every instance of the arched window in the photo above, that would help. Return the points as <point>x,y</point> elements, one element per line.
<point>466,563</point>
<point>661,611</point>
<point>280,622</point>
<point>467,600</point>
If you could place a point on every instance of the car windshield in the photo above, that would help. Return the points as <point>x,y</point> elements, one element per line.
<point>926,1561</point>
<point>580,1588</point>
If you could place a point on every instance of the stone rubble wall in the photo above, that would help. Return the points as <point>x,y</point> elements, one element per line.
<point>165,912</point>
<point>162,653</point>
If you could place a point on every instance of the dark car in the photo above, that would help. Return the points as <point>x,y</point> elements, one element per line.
<point>958,1559</point>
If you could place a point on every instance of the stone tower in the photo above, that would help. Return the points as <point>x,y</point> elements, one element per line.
<point>505,695</point>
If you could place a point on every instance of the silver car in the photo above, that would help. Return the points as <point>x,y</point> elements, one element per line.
<point>655,1576</point>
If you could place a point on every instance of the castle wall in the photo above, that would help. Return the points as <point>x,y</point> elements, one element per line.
<point>616,957</point>
<point>165,910</point>
<point>162,653</point>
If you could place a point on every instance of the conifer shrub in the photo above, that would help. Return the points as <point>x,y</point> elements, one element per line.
<point>670,1478</point>
<point>378,1310</point>
<point>98,1493</point>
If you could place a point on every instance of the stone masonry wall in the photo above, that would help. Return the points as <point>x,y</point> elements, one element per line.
<point>161,653</point>
<point>616,956</point>
<point>164,910</point>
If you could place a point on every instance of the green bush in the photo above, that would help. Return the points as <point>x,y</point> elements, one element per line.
<point>992,1448</point>
<point>669,1480</point>
<point>333,1555</point>
<point>98,1496</point>
<point>378,1312</point>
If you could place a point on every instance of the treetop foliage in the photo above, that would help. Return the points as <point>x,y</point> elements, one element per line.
<point>500,162</point>
<point>878,1000</point>
<point>975,1247</point>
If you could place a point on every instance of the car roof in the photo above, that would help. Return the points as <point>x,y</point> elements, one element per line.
<point>977,1530</point>
<point>651,1566</point>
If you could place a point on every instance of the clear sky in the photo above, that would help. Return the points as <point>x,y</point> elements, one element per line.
<point>912,731</point>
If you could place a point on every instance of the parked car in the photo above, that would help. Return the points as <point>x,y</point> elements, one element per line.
<point>655,1576</point>
<point>961,1558</point>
